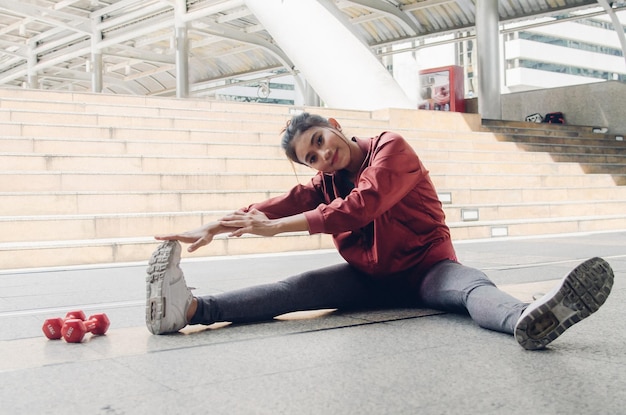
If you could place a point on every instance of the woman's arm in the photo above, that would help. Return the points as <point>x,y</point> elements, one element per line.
<point>256,222</point>
<point>284,211</point>
<point>238,223</point>
<point>197,237</point>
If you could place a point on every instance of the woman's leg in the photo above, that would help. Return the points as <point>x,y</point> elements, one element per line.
<point>338,286</point>
<point>450,286</point>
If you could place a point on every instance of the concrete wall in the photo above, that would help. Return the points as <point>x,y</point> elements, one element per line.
<point>599,104</point>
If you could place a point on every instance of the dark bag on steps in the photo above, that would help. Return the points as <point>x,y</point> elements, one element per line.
<point>554,118</point>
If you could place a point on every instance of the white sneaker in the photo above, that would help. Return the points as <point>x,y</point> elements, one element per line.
<point>579,295</point>
<point>167,295</point>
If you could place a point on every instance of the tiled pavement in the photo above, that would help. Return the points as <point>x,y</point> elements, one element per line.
<point>379,362</point>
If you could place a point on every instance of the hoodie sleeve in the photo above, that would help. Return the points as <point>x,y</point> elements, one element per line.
<point>299,199</point>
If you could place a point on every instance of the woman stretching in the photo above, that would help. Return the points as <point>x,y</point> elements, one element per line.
<point>377,200</point>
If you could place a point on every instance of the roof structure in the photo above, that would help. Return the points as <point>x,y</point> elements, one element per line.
<point>50,44</point>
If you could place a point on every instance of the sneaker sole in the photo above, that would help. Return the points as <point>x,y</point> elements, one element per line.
<point>581,293</point>
<point>155,302</point>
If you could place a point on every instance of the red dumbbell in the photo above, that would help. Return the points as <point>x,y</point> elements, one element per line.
<point>74,330</point>
<point>52,326</point>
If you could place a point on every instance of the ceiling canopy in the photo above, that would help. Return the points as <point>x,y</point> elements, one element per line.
<point>49,43</point>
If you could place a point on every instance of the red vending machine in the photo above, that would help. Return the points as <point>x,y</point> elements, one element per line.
<point>442,89</point>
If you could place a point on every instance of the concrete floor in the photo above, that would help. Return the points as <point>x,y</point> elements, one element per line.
<point>401,361</point>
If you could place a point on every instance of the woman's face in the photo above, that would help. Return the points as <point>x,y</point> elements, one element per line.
<point>324,149</point>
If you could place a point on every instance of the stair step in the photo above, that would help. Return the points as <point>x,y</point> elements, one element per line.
<point>79,252</point>
<point>511,211</point>
<point>535,227</point>
<point>83,203</point>
<point>144,164</point>
<point>601,141</point>
<point>473,196</point>
<point>164,118</point>
<point>604,168</point>
<point>23,228</point>
<point>539,129</point>
<point>461,188</point>
<point>130,147</point>
<point>455,181</point>
<point>146,106</point>
<point>221,148</point>
<point>570,148</point>
<point>243,161</point>
<point>70,227</point>
<point>137,182</point>
<point>90,181</point>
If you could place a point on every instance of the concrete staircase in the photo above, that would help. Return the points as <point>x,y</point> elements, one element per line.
<point>89,178</point>
<point>595,152</point>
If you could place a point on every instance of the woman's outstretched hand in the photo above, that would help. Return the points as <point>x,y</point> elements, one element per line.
<point>197,237</point>
<point>238,223</point>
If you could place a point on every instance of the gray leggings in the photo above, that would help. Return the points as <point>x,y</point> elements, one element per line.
<point>448,286</point>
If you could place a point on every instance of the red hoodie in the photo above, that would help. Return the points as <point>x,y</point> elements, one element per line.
<point>389,221</point>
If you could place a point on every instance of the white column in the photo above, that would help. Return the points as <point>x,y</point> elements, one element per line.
<point>182,50</point>
<point>96,72</point>
<point>488,50</point>
<point>96,59</point>
<point>33,78</point>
